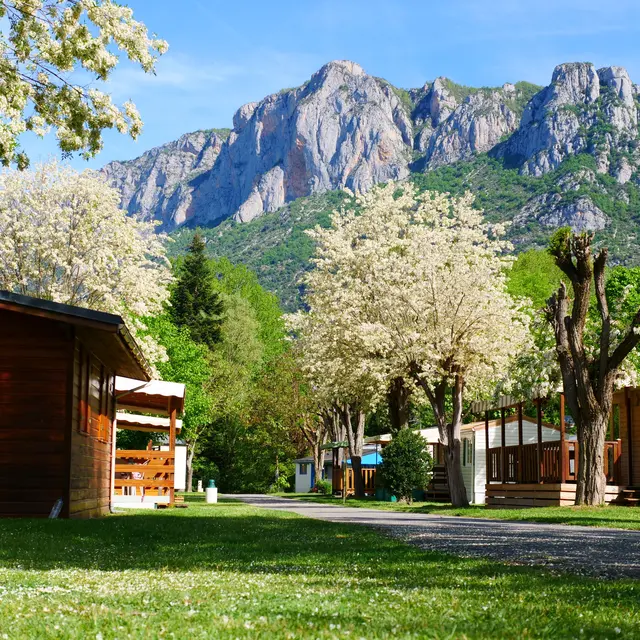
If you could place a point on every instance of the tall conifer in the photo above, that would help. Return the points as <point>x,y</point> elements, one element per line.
<point>195,303</point>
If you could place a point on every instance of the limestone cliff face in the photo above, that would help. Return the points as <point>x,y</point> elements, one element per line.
<point>343,128</point>
<point>159,184</point>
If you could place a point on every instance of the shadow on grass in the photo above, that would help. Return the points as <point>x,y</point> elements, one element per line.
<point>234,537</point>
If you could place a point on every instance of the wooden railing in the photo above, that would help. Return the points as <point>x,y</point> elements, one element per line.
<point>144,472</point>
<point>368,475</point>
<point>523,464</point>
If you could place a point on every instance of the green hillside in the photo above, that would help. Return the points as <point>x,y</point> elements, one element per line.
<point>277,249</point>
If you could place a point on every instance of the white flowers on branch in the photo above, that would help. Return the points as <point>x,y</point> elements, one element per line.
<point>64,238</point>
<point>413,281</point>
<point>44,44</point>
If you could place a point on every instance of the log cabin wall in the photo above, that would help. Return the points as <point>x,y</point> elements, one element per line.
<point>35,367</point>
<point>92,416</point>
<point>628,401</point>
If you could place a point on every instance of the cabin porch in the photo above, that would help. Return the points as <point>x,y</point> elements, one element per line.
<point>146,478</point>
<point>545,473</point>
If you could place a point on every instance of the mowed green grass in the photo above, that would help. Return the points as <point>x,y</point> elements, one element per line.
<point>608,516</point>
<point>234,571</point>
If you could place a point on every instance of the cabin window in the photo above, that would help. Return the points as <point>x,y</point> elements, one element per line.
<point>84,380</point>
<point>614,424</point>
<point>303,468</point>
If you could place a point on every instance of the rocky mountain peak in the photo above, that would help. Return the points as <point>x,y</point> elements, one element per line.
<point>581,111</point>
<point>619,81</point>
<point>156,185</point>
<point>343,128</point>
<point>574,83</point>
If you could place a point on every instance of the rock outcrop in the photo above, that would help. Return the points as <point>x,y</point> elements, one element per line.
<point>159,184</point>
<point>550,210</point>
<point>475,126</point>
<point>581,111</point>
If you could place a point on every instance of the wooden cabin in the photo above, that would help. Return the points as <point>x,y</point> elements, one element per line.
<point>525,474</point>
<point>58,365</point>
<point>146,478</point>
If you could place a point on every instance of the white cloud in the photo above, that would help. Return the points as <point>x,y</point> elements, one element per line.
<point>177,72</point>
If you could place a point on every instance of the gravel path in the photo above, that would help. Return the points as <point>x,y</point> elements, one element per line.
<point>612,553</point>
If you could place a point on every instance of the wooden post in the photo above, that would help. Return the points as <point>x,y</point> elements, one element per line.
<point>486,440</point>
<point>628,392</point>
<point>503,429</point>
<point>563,456</point>
<point>540,458</point>
<point>172,448</point>
<point>520,438</point>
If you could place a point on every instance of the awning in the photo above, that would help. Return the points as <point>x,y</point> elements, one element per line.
<point>152,397</point>
<point>503,402</point>
<point>153,424</point>
<point>371,459</point>
<point>334,445</point>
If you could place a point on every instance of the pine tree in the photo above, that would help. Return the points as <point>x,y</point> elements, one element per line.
<point>195,303</point>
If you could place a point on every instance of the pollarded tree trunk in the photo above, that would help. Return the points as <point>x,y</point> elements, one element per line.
<point>591,479</point>
<point>588,380</point>
<point>398,401</point>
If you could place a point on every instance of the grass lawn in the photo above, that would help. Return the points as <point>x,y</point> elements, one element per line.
<point>608,516</point>
<point>235,571</point>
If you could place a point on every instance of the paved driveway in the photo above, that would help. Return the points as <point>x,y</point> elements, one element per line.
<point>585,550</point>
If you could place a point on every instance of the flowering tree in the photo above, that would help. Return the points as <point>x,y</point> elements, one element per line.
<point>414,286</point>
<point>63,237</point>
<point>344,383</point>
<point>44,43</point>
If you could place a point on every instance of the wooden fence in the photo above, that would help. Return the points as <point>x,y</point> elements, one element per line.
<point>546,462</point>
<point>142,472</point>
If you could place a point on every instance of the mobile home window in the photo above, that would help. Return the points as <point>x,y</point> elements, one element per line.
<point>467,454</point>
<point>303,468</point>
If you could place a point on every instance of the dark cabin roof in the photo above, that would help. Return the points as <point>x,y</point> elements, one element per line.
<point>106,334</point>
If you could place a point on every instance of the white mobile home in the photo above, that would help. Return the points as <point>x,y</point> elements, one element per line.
<point>474,459</point>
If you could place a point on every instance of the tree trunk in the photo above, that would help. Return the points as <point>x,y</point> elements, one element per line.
<point>591,479</point>
<point>355,440</point>
<point>398,401</point>
<point>588,379</point>
<point>453,463</point>
<point>449,432</point>
<point>191,449</point>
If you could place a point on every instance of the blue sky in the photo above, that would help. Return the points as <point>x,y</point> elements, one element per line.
<point>223,54</point>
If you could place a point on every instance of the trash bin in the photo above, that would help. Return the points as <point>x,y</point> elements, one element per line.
<point>212,492</point>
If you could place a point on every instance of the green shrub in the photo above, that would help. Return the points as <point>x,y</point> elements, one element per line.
<point>324,487</point>
<point>406,464</point>
<point>280,485</point>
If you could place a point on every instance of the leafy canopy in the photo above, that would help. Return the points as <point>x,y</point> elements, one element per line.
<point>50,48</point>
<point>63,237</point>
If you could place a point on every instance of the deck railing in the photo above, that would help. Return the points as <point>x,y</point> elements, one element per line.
<point>368,476</point>
<point>525,464</point>
<point>143,472</point>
